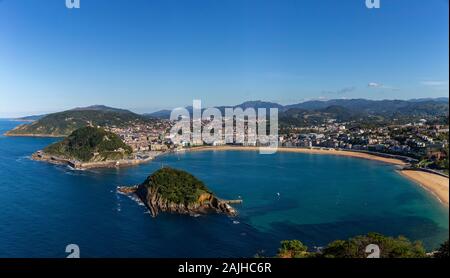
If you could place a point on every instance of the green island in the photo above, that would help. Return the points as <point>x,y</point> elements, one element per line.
<point>357,247</point>
<point>88,147</point>
<point>177,191</point>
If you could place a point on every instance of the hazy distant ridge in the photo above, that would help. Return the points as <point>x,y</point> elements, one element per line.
<point>425,106</point>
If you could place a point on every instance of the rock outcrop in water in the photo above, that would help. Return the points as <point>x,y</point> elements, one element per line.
<point>176,191</point>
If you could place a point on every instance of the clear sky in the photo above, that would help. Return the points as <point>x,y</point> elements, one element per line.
<point>150,54</point>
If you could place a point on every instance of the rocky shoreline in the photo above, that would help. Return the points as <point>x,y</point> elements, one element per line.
<point>157,204</point>
<point>42,156</point>
<point>9,134</point>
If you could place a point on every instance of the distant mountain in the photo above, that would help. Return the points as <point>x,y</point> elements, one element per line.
<point>299,117</point>
<point>64,123</point>
<point>381,107</point>
<point>365,111</point>
<point>439,99</point>
<point>30,118</point>
<point>165,114</point>
<point>161,114</point>
<point>256,104</point>
<point>347,108</point>
<point>102,108</point>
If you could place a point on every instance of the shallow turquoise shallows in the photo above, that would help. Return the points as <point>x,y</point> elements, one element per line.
<point>313,198</point>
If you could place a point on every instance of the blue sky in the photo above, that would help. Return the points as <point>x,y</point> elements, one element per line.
<point>150,54</point>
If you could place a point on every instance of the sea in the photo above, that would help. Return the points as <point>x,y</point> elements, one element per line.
<point>313,198</point>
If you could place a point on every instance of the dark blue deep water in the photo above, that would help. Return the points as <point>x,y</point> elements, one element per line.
<point>45,207</point>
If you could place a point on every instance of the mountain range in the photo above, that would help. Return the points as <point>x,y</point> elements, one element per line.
<point>359,111</point>
<point>346,109</point>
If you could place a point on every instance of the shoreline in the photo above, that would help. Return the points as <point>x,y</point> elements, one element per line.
<point>362,155</point>
<point>435,184</point>
<point>42,157</point>
<point>8,134</point>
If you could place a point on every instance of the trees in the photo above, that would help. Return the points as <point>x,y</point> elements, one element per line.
<point>442,252</point>
<point>84,142</point>
<point>390,247</point>
<point>293,249</point>
<point>355,247</point>
<point>177,186</point>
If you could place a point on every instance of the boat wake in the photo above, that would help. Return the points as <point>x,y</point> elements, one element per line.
<point>132,197</point>
<point>23,158</point>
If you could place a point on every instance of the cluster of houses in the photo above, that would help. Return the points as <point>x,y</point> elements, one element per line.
<point>414,140</point>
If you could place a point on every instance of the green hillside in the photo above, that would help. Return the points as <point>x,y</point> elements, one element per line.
<point>89,144</point>
<point>176,186</point>
<point>64,123</point>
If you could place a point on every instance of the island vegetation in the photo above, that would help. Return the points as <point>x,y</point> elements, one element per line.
<point>176,191</point>
<point>90,144</point>
<point>177,186</point>
<point>90,147</point>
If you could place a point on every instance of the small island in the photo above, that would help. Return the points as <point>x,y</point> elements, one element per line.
<point>175,191</point>
<point>90,147</point>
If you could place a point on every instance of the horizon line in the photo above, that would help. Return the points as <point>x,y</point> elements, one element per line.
<point>134,110</point>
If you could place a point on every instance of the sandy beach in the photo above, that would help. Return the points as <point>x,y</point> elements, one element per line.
<point>308,151</point>
<point>437,185</point>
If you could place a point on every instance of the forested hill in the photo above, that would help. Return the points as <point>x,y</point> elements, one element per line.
<point>356,110</point>
<point>90,144</point>
<point>64,123</point>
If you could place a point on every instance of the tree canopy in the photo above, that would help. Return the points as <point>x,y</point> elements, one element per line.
<point>355,247</point>
<point>176,185</point>
<point>87,143</point>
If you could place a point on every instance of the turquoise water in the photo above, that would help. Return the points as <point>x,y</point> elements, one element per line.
<point>321,198</point>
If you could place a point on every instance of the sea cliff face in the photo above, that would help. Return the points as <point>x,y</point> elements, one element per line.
<point>207,203</point>
<point>175,191</point>
<point>42,156</point>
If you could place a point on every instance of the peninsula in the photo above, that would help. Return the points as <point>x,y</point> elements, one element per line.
<point>62,124</point>
<point>90,147</point>
<point>176,191</point>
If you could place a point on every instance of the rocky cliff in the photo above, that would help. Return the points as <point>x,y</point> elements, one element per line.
<point>161,193</point>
